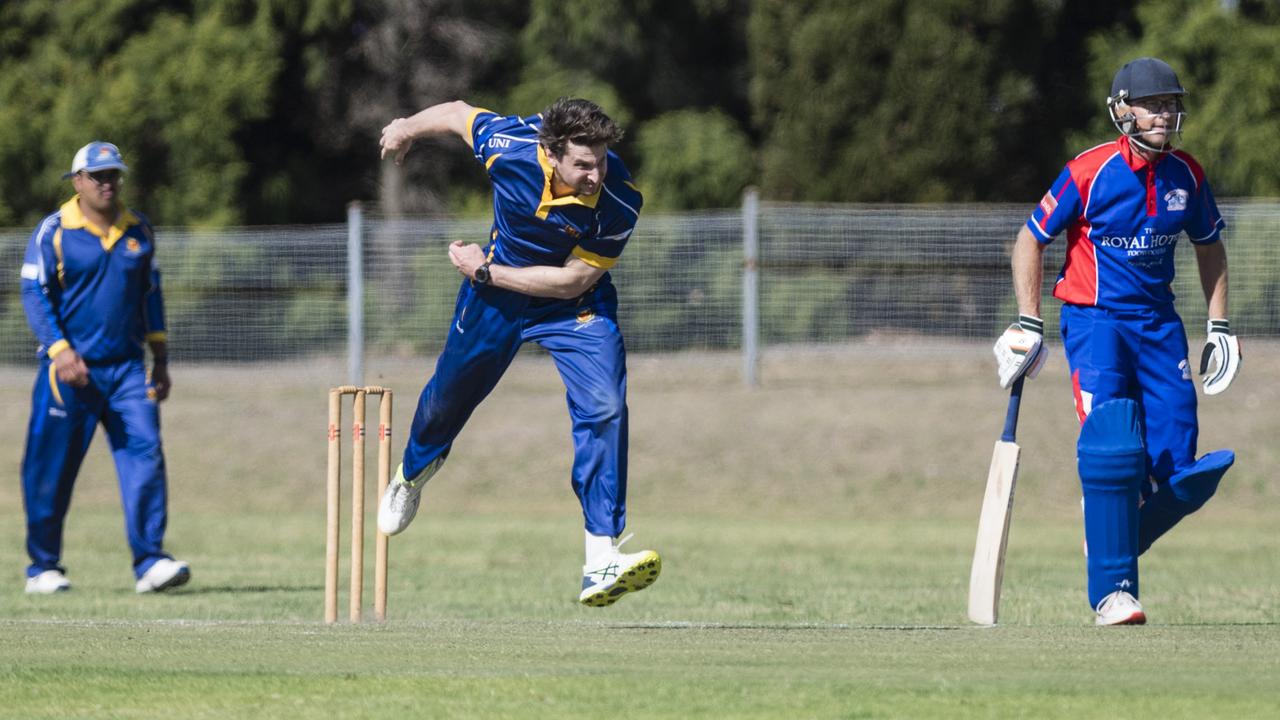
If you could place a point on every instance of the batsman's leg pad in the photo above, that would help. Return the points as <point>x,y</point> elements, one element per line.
<point>1112,463</point>
<point>1185,493</point>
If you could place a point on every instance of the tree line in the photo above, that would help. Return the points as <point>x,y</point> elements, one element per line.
<point>268,111</point>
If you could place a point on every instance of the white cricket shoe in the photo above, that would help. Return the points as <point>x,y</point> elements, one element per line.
<point>1120,608</point>
<point>618,573</point>
<point>399,503</point>
<point>163,575</point>
<point>48,583</point>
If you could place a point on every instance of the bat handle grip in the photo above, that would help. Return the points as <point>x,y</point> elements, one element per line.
<point>1011,417</point>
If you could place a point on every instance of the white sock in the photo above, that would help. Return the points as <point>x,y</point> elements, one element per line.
<point>597,546</point>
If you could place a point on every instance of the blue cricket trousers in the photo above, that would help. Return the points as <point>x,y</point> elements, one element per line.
<point>1142,356</point>
<point>63,420</point>
<point>582,335</point>
<point>1139,356</point>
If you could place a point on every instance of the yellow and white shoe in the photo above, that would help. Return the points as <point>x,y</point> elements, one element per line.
<point>618,573</point>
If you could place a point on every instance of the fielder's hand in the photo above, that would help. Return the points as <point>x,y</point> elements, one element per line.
<point>71,368</point>
<point>1020,350</point>
<point>159,382</point>
<point>1221,358</point>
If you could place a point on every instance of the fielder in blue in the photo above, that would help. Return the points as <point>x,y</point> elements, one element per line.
<point>91,291</point>
<point>563,209</point>
<point>1124,205</point>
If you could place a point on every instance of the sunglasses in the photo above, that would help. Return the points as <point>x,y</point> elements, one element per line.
<point>102,177</point>
<point>1159,107</point>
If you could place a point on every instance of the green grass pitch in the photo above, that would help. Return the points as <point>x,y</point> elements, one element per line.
<point>816,535</point>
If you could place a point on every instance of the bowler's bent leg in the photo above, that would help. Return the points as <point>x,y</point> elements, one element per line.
<point>483,339</point>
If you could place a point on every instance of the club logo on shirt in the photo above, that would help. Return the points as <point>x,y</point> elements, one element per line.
<point>133,246</point>
<point>1176,199</point>
<point>572,232</point>
<point>586,318</point>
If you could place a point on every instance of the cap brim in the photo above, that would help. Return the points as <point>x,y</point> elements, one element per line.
<point>109,166</point>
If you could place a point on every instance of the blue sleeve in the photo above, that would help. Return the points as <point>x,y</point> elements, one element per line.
<point>41,292</point>
<point>1204,221</point>
<point>1057,209</point>
<point>493,134</point>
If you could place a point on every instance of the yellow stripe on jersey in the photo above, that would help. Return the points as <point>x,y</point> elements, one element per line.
<point>471,124</point>
<point>596,261</point>
<point>57,347</point>
<point>489,163</point>
<point>157,336</point>
<point>57,251</point>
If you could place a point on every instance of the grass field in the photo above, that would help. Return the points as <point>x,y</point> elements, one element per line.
<point>816,534</point>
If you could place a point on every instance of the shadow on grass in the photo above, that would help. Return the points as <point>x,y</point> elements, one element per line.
<point>789,627</point>
<point>238,589</point>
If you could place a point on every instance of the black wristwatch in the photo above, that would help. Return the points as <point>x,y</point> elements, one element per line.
<point>482,274</point>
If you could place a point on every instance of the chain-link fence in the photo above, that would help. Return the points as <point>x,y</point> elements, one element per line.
<point>827,274</point>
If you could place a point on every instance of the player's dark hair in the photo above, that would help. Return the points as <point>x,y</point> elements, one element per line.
<point>575,120</point>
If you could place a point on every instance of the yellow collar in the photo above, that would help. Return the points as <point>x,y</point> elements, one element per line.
<point>73,219</point>
<point>544,207</point>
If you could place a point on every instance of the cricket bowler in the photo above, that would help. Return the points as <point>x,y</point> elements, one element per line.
<point>564,207</point>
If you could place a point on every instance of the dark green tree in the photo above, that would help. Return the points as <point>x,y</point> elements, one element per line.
<point>915,100</point>
<point>1227,59</point>
<point>172,88</point>
<point>693,159</point>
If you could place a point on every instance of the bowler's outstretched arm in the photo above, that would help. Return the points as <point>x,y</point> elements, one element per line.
<point>449,117</point>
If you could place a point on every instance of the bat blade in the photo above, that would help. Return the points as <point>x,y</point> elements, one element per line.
<point>993,534</point>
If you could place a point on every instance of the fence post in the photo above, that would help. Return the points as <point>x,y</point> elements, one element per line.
<point>355,294</point>
<point>751,288</point>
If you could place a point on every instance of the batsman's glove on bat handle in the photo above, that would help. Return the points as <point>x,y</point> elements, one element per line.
<point>1220,360</point>
<point>1020,350</point>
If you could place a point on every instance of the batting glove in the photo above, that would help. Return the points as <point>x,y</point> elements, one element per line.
<point>1020,350</point>
<point>1220,360</point>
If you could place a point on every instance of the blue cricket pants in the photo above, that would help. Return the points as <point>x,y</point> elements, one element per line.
<point>1139,356</point>
<point>1142,356</point>
<point>582,335</point>
<point>63,420</point>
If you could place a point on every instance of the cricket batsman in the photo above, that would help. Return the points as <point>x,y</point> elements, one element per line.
<point>1123,206</point>
<point>563,209</point>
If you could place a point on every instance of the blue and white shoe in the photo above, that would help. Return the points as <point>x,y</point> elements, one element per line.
<point>48,583</point>
<point>1120,608</point>
<point>399,503</point>
<point>163,575</point>
<point>618,573</point>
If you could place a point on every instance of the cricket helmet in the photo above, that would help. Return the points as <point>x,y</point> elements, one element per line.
<point>1143,78</point>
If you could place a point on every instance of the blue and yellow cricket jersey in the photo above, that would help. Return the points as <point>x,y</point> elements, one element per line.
<point>98,293</point>
<point>530,227</point>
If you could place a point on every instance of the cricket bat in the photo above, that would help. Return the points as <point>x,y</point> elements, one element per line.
<point>993,525</point>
